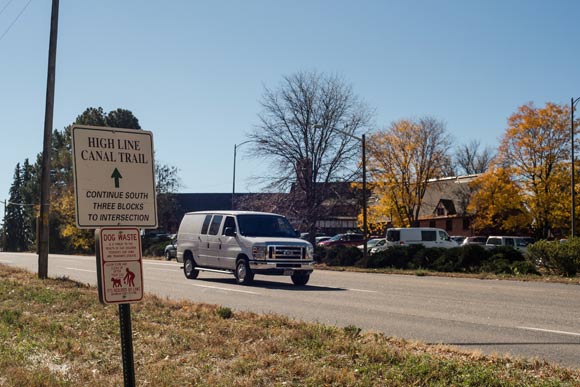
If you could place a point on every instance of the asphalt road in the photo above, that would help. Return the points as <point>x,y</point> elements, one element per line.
<point>527,319</point>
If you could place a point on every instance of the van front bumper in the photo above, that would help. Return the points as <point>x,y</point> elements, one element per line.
<point>281,267</point>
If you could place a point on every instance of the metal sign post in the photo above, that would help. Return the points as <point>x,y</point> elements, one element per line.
<point>127,344</point>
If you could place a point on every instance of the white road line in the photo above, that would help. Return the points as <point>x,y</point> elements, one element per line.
<point>361,290</point>
<point>75,269</point>
<point>550,331</point>
<point>226,289</point>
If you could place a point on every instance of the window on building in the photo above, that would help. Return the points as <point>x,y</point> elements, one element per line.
<point>466,223</point>
<point>449,225</point>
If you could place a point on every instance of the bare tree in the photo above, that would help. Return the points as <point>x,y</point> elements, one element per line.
<point>470,160</point>
<point>305,131</point>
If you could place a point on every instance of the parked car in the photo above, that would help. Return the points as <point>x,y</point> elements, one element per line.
<point>319,239</point>
<point>426,236</point>
<point>458,238</point>
<point>171,249</point>
<point>518,243</point>
<point>474,240</point>
<point>371,243</point>
<point>349,239</point>
<point>380,246</point>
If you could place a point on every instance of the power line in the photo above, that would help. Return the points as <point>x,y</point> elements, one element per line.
<point>6,6</point>
<point>15,19</point>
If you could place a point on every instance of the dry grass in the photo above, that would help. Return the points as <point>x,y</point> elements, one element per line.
<point>55,333</point>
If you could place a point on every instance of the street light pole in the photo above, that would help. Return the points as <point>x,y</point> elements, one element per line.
<point>236,146</point>
<point>573,102</point>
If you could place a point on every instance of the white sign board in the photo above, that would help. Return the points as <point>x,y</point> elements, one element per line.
<point>114,177</point>
<point>119,265</point>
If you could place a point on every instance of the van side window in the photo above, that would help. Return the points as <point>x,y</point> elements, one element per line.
<point>229,222</point>
<point>444,236</point>
<point>428,235</point>
<point>215,224</point>
<point>393,235</point>
<point>509,242</point>
<point>205,224</point>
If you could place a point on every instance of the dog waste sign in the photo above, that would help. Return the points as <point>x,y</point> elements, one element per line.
<point>119,265</point>
<point>114,177</point>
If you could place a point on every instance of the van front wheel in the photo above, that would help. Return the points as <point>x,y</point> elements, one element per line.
<point>244,275</point>
<point>300,278</point>
<point>189,268</point>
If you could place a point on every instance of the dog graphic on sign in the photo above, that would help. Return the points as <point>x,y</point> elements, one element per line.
<point>116,282</point>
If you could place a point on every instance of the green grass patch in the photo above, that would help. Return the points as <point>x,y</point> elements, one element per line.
<point>56,333</point>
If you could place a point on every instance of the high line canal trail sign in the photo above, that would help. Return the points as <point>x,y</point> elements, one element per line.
<point>114,180</point>
<point>114,177</point>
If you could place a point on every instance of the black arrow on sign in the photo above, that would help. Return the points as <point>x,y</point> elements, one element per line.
<point>116,175</point>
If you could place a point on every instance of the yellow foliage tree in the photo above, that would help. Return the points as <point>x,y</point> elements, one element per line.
<point>402,160</point>
<point>64,209</point>
<point>535,151</point>
<point>497,204</point>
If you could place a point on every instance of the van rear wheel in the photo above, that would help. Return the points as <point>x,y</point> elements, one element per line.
<point>244,275</point>
<point>189,267</point>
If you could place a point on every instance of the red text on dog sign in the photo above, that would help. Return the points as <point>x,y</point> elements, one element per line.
<point>120,266</point>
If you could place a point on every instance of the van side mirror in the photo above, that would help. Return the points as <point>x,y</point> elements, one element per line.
<point>298,234</point>
<point>229,231</point>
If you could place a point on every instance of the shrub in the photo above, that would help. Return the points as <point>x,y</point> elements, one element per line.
<point>224,312</point>
<point>341,256</point>
<point>397,257</point>
<point>498,265</point>
<point>155,250</point>
<point>505,252</point>
<point>524,267</point>
<point>472,257</point>
<point>319,253</point>
<point>448,260</point>
<point>555,257</point>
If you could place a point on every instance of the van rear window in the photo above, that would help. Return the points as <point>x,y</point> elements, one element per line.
<point>393,235</point>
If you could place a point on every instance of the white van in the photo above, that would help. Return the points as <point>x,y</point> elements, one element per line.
<point>426,236</point>
<point>242,243</point>
<point>518,243</point>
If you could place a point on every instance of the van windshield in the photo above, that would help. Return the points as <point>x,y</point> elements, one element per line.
<point>265,226</point>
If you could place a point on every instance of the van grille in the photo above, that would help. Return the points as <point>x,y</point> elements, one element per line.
<point>285,252</point>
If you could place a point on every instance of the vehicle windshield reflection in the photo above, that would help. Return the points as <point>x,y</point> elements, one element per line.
<point>265,226</point>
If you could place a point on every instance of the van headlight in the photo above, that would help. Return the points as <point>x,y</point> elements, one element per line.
<point>259,252</point>
<point>309,253</point>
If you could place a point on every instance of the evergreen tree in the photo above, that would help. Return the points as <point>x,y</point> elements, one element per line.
<point>14,218</point>
<point>30,199</point>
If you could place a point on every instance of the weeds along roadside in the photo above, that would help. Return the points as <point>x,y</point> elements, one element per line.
<point>55,332</point>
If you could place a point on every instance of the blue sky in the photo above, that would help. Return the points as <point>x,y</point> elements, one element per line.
<point>193,72</point>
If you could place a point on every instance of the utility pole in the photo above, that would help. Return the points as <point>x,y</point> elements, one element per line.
<point>45,176</point>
